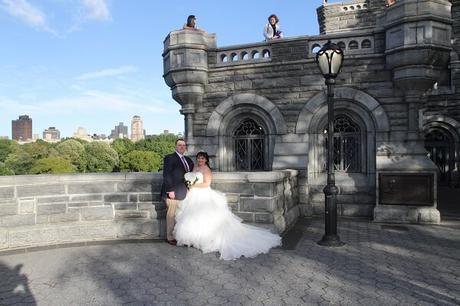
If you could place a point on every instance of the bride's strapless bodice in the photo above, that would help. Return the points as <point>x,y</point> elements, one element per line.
<point>199,176</point>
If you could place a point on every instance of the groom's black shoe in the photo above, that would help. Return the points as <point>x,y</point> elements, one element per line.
<point>172,242</point>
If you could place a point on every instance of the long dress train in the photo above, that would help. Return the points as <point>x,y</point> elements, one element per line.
<point>204,221</point>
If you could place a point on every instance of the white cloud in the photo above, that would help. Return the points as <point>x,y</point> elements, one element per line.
<point>106,73</point>
<point>96,10</point>
<point>89,102</point>
<point>27,13</point>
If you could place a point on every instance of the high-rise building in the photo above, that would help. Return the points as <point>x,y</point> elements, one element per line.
<point>51,134</point>
<point>82,134</point>
<point>21,129</point>
<point>137,129</point>
<point>120,131</point>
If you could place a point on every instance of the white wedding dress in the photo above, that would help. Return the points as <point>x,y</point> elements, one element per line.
<point>204,221</point>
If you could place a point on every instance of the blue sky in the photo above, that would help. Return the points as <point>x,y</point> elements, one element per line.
<point>94,63</point>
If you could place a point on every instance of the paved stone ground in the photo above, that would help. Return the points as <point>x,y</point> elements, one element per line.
<point>380,265</point>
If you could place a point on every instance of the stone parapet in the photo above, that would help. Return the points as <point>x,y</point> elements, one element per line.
<point>54,209</point>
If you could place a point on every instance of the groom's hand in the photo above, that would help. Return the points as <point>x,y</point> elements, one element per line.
<point>171,195</point>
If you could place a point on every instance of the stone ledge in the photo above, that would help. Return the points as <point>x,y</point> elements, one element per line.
<point>407,214</point>
<point>71,232</point>
<point>78,244</point>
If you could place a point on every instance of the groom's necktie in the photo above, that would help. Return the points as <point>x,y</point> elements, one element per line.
<point>187,169</point>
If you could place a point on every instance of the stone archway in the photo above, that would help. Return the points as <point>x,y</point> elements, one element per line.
<point>355,187</point>
<point>442,141</point>
<point>229,112</point>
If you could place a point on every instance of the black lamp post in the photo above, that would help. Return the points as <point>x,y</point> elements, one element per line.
<point>329,60</point>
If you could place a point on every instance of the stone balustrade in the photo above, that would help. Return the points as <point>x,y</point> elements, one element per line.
<point>262,52</point>
<point>353,6</point>
<point>352,45</point>
<point>59,209</point>
<point>243,54</point>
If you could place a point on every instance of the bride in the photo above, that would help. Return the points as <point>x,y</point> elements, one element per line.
<point>204,221</point>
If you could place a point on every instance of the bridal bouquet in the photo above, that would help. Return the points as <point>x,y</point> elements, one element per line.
<point>190,179</point>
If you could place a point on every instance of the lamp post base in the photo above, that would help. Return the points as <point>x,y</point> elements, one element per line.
<point>331,241</point>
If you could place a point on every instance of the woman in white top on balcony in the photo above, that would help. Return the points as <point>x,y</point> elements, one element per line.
<point>272,29</point>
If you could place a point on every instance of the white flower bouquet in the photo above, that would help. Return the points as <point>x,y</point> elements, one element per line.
<point>190,179</point>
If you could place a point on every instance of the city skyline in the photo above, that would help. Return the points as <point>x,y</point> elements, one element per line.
<point>53,132</point>
<point>89,63</point>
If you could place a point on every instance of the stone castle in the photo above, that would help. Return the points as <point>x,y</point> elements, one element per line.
<point>262,106</point>
<point>260,111</point>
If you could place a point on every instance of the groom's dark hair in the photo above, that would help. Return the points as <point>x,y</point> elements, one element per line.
<point>179,139</point>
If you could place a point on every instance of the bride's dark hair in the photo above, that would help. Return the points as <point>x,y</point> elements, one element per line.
<point>205,155</point>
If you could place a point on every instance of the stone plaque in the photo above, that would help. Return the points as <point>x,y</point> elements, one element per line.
<point>406,189</point>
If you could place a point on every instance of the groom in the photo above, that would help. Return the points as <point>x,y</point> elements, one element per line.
<point>173,190</point>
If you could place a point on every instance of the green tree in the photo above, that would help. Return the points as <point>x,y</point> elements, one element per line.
<point>123,146</point>
<point>52,165</point>
<point>6,147</point>
<point>73,151</point>
<point>4,170</point>
<point>100,157</point>
<point>163,145</point>
<point>140,161</point>
<point>20,161</point>
<point>38,149</point>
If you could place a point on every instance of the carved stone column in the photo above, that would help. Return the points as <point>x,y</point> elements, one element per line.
<point>417,45</point>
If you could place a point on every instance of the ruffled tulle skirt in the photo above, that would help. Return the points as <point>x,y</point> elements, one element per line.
<point>204,221</point>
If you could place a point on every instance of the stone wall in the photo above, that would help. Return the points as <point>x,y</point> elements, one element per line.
<point>54,209</point>
<point>348,15</point>
<point>393,57</point>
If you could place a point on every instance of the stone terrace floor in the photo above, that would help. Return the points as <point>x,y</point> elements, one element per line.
<point>380,265</point>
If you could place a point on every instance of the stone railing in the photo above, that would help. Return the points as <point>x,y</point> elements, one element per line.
<point>243,54</point>
<point>58,209</point>
<point>351,43</point>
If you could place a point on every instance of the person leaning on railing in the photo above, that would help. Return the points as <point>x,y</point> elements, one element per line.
<point>272,29</point>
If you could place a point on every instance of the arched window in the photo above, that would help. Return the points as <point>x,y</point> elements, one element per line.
<point>439,144</point>
<point>347,144</point>
<point>249,141</point>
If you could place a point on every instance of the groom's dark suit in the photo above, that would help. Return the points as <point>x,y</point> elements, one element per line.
<point>173,180</point>
<point>173,176</point>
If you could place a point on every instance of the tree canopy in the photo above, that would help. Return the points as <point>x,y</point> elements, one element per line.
<point>75,155</point>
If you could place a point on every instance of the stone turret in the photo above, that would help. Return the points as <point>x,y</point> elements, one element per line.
<point>418,34</point>
<point>185,60</point>
<point>346,16</point>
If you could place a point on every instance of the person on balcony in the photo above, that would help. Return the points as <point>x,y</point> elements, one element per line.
<point>272,29</point>
<point>191,24</point>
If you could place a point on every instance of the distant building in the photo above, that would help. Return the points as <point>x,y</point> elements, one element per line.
<point>99,137</point>
<point>120,131</point>
<point>81,133</point>
<point>166,132</point>
<point>21,129</point>
<point>137,129</point>
<point>51,134</point>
